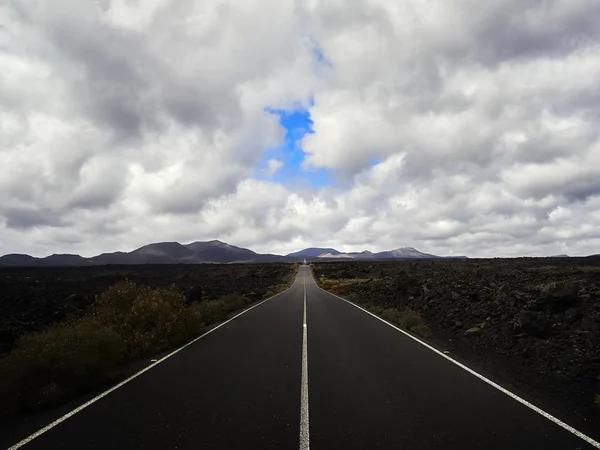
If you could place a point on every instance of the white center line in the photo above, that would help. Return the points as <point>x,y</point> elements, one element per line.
<point>304,433</point>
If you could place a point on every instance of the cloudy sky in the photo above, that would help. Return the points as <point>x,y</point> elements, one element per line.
<point>457,127</point>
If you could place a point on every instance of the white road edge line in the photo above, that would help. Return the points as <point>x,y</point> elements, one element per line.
<point>304,429</point>
<point>540,411</point>
<point>127,380</point>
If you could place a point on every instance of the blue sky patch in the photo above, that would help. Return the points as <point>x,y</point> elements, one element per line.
<point>297,124</point>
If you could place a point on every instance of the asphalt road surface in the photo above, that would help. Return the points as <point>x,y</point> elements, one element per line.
<point>307,368</point>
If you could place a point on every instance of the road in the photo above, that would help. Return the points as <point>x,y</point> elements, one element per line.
<point>307,368</point>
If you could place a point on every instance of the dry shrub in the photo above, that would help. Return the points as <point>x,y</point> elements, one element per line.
<point>128,321</point>
<point>46,366</point>
<point>150,320</point>
<point>340,289</point>
<point>407,319</point>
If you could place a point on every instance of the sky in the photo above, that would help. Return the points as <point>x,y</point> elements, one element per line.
<point>463,127</point>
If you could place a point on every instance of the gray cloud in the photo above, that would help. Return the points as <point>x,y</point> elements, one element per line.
<point>456,127</point>
<point>535,28</point>
<point>28,218</point>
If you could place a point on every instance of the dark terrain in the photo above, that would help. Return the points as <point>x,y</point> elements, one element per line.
<point>254,382</point>
<point>202,252</point>
<point>31,298</point>
<point>531,324</point>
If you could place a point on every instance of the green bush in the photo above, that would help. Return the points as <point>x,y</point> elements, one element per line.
<point>210,311</point>
<point>405,318</point>
<point>375,309</point>
<point>217,310</point>
<point>128,321</point>
<point>421,329</point>
<point>149,320</point>
<point>46,366</point>
<point>391,315</point>
<point>233,302</point>
<point>597,399</point>
<point>354,298</point>
<point>408,319</point>
<point>279,288</point>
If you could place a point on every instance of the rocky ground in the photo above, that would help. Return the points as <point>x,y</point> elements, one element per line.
<point>32,298</point>
<point>532,324</point>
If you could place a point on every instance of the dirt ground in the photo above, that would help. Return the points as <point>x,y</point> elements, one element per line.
<point>531,323</point>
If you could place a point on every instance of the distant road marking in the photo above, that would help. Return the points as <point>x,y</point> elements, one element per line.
<point>304,429</point>
<point>540,411</point>
<point>124,382</point>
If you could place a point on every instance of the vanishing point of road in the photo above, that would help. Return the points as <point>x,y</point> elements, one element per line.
<point>305,368</point>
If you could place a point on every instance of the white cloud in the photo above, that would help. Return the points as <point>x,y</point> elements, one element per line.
<point>273,166</point>
<point>456,127</point>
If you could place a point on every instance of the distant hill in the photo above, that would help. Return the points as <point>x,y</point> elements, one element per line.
<point>404,253</point>
<point>16,259</point>
<point>206,252</point>
<point>220,252</point>
<point>313,252</point>
<point>52,260</point>
<point>352,255</point>
<point>399,253</point>
<point>176,253</point>
<point>110,258</point>
<point>63,260</point>
<point>169,250</point>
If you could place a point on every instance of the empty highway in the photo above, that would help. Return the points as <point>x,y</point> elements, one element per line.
<point>305,369</point>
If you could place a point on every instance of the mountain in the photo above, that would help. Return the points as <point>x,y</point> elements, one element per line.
<point>52,260</point>
<point>63,260</point>
<point>158,253</point>
<point>206,252</point>
<point>399,253</point>
<point>174,252</point>
<point>161,252</point>
<point>352,255</point>
<point>313,252</point>
<point>220,252</point>
<point>404,253</point>
<point>16,259</point>
<point>110,258</point>
<point>562,255</point>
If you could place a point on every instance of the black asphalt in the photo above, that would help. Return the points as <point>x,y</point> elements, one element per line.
<point>370,387</point>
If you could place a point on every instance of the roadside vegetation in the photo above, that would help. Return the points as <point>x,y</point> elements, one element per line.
<point>128,321</point>
<point>405,318</point>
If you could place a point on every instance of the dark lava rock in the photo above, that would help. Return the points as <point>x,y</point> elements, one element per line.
<point>533,321</point>
<point>195,294</point>
<point>474,331</point>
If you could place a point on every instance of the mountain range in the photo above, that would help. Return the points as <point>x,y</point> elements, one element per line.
<point>205,252</point>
